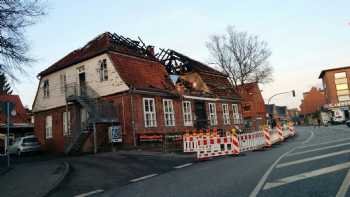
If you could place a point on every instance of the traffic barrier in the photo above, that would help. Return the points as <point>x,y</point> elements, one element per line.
<point>285,131</point>
<point>209,144</point>
<point>280,132</point>
<point>267,137</point>
<point>291,129</point>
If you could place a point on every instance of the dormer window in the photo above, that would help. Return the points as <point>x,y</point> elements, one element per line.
<point>46,88</point>
<point>103,71</point>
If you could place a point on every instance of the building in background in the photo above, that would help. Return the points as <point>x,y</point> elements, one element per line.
<point>337,93</point>
<point>20,121</point>
<point>294,115</point>
<point>276,114</point>
<point>312,104</point>
<point>253,105</point>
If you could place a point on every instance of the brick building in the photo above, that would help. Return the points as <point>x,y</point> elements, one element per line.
<point>336,89</point>
<point>313,101</point>
<point>253,105</point>
<point>20,122</point>
<point>114,80</point>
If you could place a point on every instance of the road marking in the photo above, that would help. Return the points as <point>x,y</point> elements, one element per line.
<point>306,175</point>
<point>90,193</point>
<point>344,186</point>
<point>323,143</point>
<point>143,178</point>
<point>312,158</point>
<point>182,166</point>
<point>268,172</point>
<point>318,149</point>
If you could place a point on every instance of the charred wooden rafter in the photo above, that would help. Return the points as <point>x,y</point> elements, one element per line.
<point>134,46</point>
<point>174,62</point>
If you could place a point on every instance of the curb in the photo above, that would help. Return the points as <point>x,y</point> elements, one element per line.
<point>58,181</point>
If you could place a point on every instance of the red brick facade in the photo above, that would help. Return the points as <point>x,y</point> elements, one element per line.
<point>253,105</point>
<point>313,101</point>
<point>123,101</point>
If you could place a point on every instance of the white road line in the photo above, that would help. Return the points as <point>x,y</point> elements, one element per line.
<point>318,149</point>
<point>263,179</point>
<point>182,166</point>
<point>306,175</point>
<point>143,178</point>
<point>344,186</point>
<point>312,158</point>
<point>90,193</point>
<point>323,143</point>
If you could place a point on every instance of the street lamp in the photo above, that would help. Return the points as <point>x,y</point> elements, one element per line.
<point>293,94</point>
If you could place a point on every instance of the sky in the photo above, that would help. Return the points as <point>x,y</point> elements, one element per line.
<point>305,37</point>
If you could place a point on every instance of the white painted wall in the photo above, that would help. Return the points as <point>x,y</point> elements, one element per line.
<point>114,84</point>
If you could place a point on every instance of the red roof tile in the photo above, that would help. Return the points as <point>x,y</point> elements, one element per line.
<point>141,73</point>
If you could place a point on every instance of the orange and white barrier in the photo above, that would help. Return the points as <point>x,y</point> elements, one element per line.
<point>280,133</point>
<point>267,136</point>
<point>208,144</point>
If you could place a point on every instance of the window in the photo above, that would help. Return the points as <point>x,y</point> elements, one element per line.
<point>48,127</point>
<point>66,123</point>
<point>226,114</point>
<point>236,115</point>
<point>343,92</point>
<point>212,114</point>
<point>103,71</point>
<point>46,88</point>
<point>63,82</point>
<point>344,98</point>
<point>340,75</point>
<point>343,86</point>
<point>187,113</point>
<point>149,112</point>
<point>169,114</point>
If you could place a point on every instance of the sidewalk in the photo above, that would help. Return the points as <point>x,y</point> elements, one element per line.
<point>32,179</point>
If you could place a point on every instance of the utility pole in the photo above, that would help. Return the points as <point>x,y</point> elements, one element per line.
<point>8,133</point>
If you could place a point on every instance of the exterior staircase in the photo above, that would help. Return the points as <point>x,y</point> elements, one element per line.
<point>98,110</point>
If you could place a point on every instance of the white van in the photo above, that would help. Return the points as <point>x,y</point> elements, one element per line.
<point>339,116</point>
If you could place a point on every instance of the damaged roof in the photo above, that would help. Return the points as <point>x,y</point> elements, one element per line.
<point>102,43</point>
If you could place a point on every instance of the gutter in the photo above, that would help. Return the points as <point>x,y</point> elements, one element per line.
<point>131,91</point>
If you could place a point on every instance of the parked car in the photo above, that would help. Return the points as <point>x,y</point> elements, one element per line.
<point>25,144</point>
<point>347,123</point>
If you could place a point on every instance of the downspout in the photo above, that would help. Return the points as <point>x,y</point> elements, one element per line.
<point>132,89</point>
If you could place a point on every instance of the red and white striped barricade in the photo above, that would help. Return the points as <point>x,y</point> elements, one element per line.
<point>215,145</point>
<point>267,137</point>
<point>243,142</point>
<point>235,145</point>
<point>291,129</point>
<point>280,133</point>
<point>190,143</point>
<point>285,131</point>
<point>274,136</point>
<point>259,140</point>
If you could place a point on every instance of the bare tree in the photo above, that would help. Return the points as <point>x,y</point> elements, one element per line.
<point>243,57</point>
<point>15,16</point>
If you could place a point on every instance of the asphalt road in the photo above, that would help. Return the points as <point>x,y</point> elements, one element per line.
<point>314,163</point>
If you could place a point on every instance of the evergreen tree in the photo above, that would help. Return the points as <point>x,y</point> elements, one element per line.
<point>5,88</point>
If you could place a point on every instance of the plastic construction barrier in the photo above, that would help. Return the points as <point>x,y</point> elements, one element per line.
<point>210,144</point>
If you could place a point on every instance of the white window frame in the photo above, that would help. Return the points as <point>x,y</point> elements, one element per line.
<point>63,82</point>
<point>66,123</point>
<point>103,70</point>
<point>46,88</point>
<point>225,114</point>
<point>235,113</point>
<point>48,127</point>
<point>212,114</point>
<point>187,113</point>
<point>152,113</point>
<point>169,113</point>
